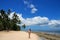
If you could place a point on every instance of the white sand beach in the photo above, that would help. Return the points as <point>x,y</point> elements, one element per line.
<point>17,35</point>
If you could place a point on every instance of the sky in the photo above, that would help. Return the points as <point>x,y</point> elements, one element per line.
<point>37,14</point>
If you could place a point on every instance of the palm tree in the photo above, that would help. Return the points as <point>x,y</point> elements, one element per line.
<point>15,21</point>
<point>24,26</point>
<point>9,24</point>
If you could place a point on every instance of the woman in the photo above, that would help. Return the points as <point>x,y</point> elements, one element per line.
<point>29,32</point>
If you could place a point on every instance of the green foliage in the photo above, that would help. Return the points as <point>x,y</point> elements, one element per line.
<point>1,26</point>
<point>8,24</point>
<point>15,27</point>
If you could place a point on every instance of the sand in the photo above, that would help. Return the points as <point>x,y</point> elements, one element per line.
<point>17,35</point>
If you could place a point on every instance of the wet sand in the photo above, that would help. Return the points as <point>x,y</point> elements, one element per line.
<point>48,36</point>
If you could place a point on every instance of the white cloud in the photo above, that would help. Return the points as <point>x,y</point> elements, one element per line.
<point>38,20</point>
<point>33,10</point>
<point>31,21</point>
<point>0,14</point>
<point>18,14</point>
<point>11,15</point>
<point>31,6</point>
<point>54,23</point>
<point>26,2</point>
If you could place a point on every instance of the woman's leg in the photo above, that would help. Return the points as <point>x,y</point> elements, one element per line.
<point>29,35</point>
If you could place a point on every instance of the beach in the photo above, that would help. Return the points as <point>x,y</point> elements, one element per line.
<point>22,35</point>
<point>17,35</point>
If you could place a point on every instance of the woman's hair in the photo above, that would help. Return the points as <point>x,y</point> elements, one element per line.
<point>29,29</point>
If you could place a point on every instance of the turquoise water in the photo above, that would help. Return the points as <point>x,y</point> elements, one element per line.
<point>37,30</point>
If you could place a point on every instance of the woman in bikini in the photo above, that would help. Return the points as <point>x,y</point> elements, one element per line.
<point>29,32</point>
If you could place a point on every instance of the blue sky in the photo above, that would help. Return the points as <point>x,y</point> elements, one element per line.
<point>42,8</point>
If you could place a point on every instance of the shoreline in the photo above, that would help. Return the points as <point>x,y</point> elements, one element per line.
<point>48,36</point>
